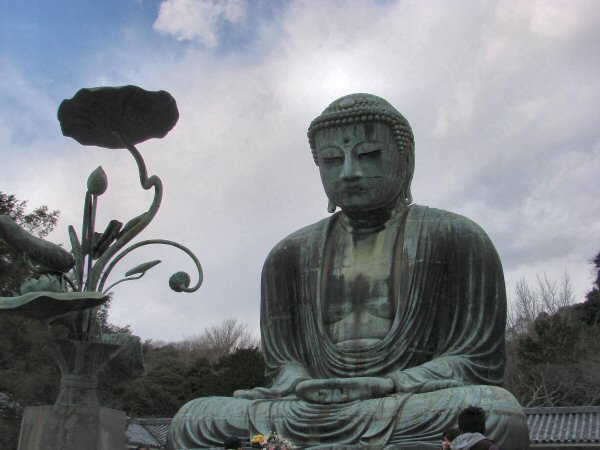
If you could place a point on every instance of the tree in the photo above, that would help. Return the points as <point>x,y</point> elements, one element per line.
<point>547,296</point>
<point>242,369</point>
<point>172,379</point>
<point>223,358</point>
<point>27,373</point>
<point>219,340</point>
<point>589,311</point>
<point>553,346</point>
<point>40,222</point>
<point>159,393</point>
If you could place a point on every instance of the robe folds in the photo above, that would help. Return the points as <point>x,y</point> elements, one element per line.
<point>444,350</point>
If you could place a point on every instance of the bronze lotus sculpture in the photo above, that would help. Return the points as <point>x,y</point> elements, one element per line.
<point>68,287</point>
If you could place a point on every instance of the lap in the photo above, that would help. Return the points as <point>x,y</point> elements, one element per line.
<point>412,419</point>
<point>452,400</point>
<point>425,416</point>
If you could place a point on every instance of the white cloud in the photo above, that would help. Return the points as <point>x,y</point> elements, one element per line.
<point>198,19</point>
<point>518,152</point>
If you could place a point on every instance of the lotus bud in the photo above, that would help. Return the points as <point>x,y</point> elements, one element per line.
<point>97,182</point>
<point>45,283</point>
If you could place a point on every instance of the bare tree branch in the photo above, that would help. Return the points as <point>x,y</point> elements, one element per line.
<point>218,340</point>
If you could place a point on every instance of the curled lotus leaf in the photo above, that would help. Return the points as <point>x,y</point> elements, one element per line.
<point>179,281</point>
<point>142,268</point>
<point>107,116</point>
<point>45,305</point>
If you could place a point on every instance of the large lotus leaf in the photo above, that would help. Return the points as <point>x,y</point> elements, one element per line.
<point>94,115</point>
<point>45,305</point>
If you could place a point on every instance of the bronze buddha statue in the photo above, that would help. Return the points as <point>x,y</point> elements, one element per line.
<point>380,322</point>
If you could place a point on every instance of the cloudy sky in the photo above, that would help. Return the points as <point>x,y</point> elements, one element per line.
<point>503,97</point>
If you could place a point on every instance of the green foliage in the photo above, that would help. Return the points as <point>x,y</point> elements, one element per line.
<point>172,379</point>
<point>596,289</point>
<point>40,222</point>
<point>9,432</point>
<point>553,340</point>
<point>243,369</point>
<point>555,360</point>
<point>27,373</point>
<point>589,311</point>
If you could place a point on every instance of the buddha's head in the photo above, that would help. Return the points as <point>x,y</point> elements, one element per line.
<point>365,152</point>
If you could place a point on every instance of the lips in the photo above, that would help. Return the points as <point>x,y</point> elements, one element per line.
<point>351,188</point>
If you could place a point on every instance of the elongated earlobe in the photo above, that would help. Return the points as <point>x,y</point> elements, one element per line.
<point>409,168</point>
<point>407,200</point>
<point>331,207</point>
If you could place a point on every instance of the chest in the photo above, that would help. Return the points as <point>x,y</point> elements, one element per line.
<point>358,275</point>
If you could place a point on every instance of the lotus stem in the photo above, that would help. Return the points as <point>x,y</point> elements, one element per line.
<point>90,240</point>
<point>149,242</point>
<point>84,236</point>
<point>121,281</point>
<point>146,184</point>
<point>71,283</point>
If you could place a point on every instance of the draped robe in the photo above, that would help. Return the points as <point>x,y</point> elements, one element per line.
<point>444,349</point>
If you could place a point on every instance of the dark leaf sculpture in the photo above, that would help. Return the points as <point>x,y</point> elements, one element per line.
<point>46,255</point>
<point>107,116</point>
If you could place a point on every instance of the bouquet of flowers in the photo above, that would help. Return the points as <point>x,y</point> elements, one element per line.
<point>258,440</point>
<point>273,442</point>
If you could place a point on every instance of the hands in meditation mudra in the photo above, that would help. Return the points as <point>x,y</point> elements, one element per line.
<point>378,323</point>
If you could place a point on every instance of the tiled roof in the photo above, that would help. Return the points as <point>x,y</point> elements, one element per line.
<point>571,425</point>
<point>149,432</point>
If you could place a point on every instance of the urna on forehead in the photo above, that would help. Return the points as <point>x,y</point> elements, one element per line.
<point>362,108</point>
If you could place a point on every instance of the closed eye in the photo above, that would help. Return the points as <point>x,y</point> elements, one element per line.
<point>331,155</point>
<point>370,154</point>
<point>332,159</point>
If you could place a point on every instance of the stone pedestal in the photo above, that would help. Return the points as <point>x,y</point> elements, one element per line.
<point>72,428</point>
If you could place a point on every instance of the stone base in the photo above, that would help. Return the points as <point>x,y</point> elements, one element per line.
<point>72,428</point>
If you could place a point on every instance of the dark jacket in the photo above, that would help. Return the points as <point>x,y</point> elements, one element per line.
<point>486,444</point>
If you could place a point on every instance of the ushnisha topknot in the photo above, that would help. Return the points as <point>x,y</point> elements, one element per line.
<point>363,108</point>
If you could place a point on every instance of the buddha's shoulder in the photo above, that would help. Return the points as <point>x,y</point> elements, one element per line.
<point>306,233</point>
<point>438,215</point>
<point>302,237</point>
<point>439,220</point>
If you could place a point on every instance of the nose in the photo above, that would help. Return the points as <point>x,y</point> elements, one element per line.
<point>351,168</point>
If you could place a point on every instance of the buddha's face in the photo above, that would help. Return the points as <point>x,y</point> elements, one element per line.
<point>360,165</point>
